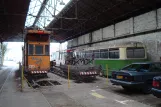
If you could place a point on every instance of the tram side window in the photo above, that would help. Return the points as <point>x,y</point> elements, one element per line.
<point>96,53</point>
<point>133,52</point>
<point>103,53</point>
<point>83,54</point>
<point>89,54</point>
<point>38,49</point>
<point>114,53</point>
<point>46,49</point>
<point>31,49</point>
<point>79,55</point>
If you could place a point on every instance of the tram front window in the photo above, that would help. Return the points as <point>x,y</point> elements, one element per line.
<point>46,49</point>
<point>38,49</point>
<point>31,49</point>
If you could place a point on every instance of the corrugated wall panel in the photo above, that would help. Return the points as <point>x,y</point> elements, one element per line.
<point>108,32</point>
<point>69,43</point>
<point>80,40</point>
<point>75,42</point>
<point>145,22</point>
<point>124,27</point>
<point>86,38</point>
<point>159,17</point>
<point>97,35</point>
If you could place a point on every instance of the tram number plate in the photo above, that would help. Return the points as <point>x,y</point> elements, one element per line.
<point>31,66</point>
<point>119,77</point>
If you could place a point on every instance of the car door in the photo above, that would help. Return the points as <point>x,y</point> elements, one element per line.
<point>146,75</point>
<point>154,70</point>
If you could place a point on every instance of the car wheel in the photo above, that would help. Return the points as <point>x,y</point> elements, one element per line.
<point>147,89</point>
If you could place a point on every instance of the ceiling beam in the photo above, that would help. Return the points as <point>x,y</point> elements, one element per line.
<point>44,3</point>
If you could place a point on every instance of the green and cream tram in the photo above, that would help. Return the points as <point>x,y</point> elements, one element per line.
<point>114,57</point>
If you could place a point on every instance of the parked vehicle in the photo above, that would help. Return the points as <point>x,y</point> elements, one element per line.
<point>156,90</point>
<point>137,75</point>
<point>36,52</point>
<point>81,69</point>
<point>114,56</point>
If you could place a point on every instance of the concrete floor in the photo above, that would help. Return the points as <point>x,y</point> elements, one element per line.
<point>10,95</point>
<point>99,93</point>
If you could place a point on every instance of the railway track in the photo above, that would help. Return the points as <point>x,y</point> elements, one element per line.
<point>41,82</point>
<point>59,72</point>
<point>77,78</point>
<point>3,77</point>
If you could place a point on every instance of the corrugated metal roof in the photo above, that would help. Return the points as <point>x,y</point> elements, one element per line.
<point>91,15</point>
<point>12,19</point>
<point>94,14</point>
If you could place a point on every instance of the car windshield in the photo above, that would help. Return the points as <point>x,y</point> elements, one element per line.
<point>137,67</point>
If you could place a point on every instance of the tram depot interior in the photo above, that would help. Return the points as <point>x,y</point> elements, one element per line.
<point>80,53</point>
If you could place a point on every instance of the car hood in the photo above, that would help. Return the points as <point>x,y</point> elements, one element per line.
<point>127,72</point>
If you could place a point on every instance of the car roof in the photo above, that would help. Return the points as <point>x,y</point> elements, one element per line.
<point>147,62</point>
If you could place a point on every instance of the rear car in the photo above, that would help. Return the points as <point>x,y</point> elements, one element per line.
<point>156,90</point>
<point>137,76</point>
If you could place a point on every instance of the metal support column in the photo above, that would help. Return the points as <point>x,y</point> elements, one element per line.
<point>60,49</point>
